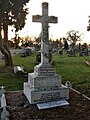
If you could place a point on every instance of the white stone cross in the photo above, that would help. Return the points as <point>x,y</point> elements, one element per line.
<point>45,20</point>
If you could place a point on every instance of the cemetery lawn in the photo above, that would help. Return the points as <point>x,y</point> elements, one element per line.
<point>71,69</point>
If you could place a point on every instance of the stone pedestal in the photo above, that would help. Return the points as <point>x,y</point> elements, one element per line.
<point>44,85</point>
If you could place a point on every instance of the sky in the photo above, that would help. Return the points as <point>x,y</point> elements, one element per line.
<point>72,15</point>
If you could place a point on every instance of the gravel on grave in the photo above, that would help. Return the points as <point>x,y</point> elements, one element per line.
<point>20,109</point>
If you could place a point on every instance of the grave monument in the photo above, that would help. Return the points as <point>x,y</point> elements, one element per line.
<point>44,85</point>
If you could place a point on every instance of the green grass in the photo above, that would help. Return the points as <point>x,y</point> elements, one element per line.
<point>71,69</point>
<point>7,77</point>
<point>75,70</point>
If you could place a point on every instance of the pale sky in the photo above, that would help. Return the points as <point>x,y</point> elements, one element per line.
<point>72,15</point>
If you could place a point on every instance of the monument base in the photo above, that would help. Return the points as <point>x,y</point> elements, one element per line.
<point>61,102</point>
<point>44,85</point>
<point>34,96</point>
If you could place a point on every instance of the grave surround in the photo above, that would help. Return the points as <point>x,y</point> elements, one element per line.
<point>44,85</point>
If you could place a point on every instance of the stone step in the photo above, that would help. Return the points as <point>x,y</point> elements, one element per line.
<point>52,104</point>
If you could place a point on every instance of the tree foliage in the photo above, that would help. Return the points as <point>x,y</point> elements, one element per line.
<point>73,36</point>
<point>13,13</point>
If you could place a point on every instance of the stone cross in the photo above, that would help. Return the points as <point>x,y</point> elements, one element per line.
<point>45,20</point>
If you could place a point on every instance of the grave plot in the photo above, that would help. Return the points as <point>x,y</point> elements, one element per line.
<point>45,86</point>
<point>21,109</point>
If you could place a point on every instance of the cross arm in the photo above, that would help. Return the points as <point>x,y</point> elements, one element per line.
<point>53,19</point>
<point>36,18</point>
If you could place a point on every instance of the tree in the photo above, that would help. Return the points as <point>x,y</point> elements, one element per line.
<point>72,37</point>
<point>13,13</point>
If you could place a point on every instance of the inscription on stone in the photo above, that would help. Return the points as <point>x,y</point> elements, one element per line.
<point>50,96</point>
<point>47,71</point>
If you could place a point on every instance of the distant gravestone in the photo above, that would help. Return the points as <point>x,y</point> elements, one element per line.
<point>71,53</point>
<point>81,53</point>
<point>72,50</point>
<point>19,71</point>
<point>28,51</point>
<point>44,85</point>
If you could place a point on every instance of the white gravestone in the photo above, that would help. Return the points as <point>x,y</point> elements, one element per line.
<point>44,85</point>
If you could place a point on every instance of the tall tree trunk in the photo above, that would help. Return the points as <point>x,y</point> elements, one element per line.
<point>4,46</point>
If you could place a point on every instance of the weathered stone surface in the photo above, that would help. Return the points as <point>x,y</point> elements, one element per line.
<point>44,85</point>
<point>40,96</point>
<point>4,114</point>
<point>52,104</point>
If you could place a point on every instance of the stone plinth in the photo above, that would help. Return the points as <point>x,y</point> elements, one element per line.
<point>35,96</point>
<point>44,85</point>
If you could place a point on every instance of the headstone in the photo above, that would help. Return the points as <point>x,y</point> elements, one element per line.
<point>28,51</point>
<point>2,90</point>
<point>44,85</point>
<point>15,51</point>
<point>19,71</point>
<point>18,68</point>
<point>72,50</point>
<point>68,84</point>
<point>3,101</point>
<point>23,54</point>
<point>60,51</point>
<point>71,53</point>
<point>4,113</point>
<point>81,53</point>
